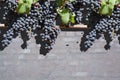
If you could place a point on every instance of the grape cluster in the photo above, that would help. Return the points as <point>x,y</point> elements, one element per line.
<point>87,13</point>
<point>49,31</point>
<point>40,22</point>
<point>100,25</point>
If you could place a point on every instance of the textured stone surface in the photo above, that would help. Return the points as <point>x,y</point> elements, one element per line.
<point>64,62</point>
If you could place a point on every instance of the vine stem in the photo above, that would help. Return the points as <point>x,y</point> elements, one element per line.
<point>63,5</point>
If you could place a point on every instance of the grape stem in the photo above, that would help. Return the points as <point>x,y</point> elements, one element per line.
<point>118,5</point>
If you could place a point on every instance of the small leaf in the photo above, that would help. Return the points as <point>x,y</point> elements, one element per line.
<point>65,16</point>
<point>22,9</point>
<point>72,0</point>
<point>117,1</point>
<point>20,1</point>
<point>107,7</point>
<point>72,18</point>
<point>29,1</point>
<point>105,10</point>
<point>24,6</point>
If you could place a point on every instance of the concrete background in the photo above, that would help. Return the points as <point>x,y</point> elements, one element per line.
<point>64,62</point>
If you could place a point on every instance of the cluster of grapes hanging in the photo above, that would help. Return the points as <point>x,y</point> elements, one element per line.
<point>107,25</point>
<point>40,21</point>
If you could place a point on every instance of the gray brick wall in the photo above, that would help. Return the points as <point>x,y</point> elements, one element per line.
<point>64,62</point>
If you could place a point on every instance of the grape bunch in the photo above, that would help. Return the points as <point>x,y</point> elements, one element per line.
<point>107,25</point>
<point>49,32</point>
<point>87,13</point>
<point>40,22</point>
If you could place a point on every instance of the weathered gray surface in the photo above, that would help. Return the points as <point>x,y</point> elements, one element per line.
<point>62,63</point>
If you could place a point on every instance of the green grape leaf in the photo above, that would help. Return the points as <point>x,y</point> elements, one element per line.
<point>65,18</point>
<point>27,7</point>
<point>105,10</point>
<point>113,2</point>
<point>107,7</point>
<point>72,0</point>
<point>29,1</point>
<point>24,6</point>
<point>65,15</point>
<point>72,18</point>
<point>117,1</point>
<point>20,1</point>
<point>21,8</point>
